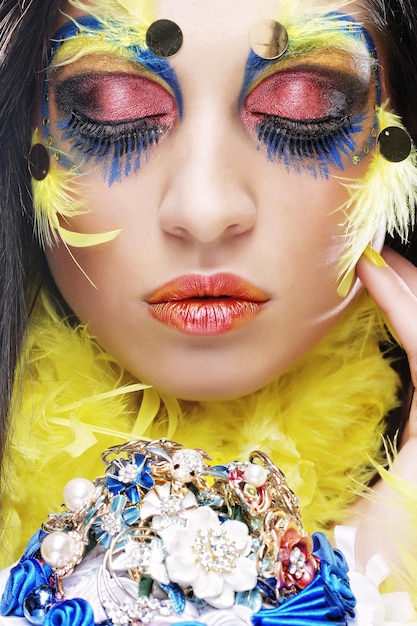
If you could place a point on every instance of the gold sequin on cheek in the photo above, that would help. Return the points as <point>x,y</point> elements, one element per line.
<point>164,38</point>
<point>269,39</point>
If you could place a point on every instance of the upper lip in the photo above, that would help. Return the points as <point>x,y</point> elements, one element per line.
<point>219,285</point>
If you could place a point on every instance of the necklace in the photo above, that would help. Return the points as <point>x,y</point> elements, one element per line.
<point>167,536</point>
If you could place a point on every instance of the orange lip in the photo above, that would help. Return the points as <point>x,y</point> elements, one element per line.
<point>206,305</point>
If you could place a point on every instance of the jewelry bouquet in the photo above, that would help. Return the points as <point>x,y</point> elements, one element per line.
<point>167,538</point>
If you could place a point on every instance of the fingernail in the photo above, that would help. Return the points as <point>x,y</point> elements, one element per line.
<point>345,284</point>
<point>374,257</point>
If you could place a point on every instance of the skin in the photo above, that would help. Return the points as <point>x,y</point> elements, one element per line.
<point>194,207</point>
<point>394,288</point>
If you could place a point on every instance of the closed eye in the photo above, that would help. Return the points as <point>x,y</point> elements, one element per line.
<point>308,113</point>
<point>113,115</point>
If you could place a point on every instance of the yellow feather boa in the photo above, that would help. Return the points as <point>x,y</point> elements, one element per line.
<point>321,422</point>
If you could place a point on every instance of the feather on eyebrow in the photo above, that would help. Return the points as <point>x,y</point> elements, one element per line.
<point>333,39</point>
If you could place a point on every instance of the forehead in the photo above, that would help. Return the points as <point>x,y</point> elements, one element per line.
<point>218,32</point>
<point>216,18</point>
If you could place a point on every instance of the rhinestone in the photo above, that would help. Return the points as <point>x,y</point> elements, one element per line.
<point>138,555</point>
<point>128,473</point>
<point>297,563</point>
<point>215,551</point>
<point>37,603</point>
<point>111,524</point>
<point>171,505</point>
<point>187,465</point>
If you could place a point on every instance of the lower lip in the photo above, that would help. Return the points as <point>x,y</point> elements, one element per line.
<point>206,317</point>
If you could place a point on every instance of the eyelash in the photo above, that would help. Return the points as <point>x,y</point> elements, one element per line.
<point>98,140</point>
<point>324,140</point>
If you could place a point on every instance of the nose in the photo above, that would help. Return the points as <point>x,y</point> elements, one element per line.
<point>208,197</point>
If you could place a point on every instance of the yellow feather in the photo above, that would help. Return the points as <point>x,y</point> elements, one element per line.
<point>72,401</point>
<point>81,240</point>
<point>386,196</point>
<point>59,196</point>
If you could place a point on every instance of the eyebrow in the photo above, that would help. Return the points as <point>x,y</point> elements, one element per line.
<point>332,32</point>
<point>329,33</point>
<point>135,51</point>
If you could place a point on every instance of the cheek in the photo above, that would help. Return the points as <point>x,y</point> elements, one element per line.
<point>74,275</point>
<point>309,228</point>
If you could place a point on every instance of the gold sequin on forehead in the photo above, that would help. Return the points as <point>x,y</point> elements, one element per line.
<point>269,39</point>
<point>164,38</point>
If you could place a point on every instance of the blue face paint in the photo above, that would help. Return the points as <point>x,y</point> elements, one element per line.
<point>116,145</point>
<point>322,136</point>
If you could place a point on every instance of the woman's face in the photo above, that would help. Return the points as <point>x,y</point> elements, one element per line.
<point>225,269</point>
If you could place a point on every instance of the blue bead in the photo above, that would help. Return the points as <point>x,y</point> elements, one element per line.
<point>38,603</point>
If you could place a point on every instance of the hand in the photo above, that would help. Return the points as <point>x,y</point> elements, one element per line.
<point>384,522</point>
<point>394,289</point>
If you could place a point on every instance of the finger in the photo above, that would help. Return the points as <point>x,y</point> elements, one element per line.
<point>404,268</point>
<point>394,297</point>
<point>411,427</point>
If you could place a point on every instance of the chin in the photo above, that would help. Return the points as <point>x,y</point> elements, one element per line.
<point>207,389</point>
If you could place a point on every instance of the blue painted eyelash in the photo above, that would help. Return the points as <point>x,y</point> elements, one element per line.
<point>296,142</point>
<point>114,141</point>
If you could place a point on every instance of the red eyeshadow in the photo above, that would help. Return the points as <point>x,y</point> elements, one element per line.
<point>122,97</point>
<point>296,95</point>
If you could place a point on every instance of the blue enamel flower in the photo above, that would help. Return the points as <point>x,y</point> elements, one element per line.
<point>116,519</point>
<point>127,477</point>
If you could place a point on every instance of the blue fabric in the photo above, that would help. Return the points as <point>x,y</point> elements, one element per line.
<point>326,599</point>
<point>334,570</point>
<point>325,552</point>
<point>313,606</point>
<point>23,578</point>
<point>76,612</point>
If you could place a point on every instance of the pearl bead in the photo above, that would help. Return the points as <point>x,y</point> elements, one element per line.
<point>77,493</point>
<point>58,549</point>
<point>37,603</point>
<point>255,474</point>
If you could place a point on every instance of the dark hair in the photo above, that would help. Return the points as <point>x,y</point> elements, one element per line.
<point>24,29</point>
<point>23,32</point>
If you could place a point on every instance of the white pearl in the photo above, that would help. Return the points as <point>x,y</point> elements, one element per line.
<point>255,474</point>
<point>77,493</point>
<point>58,549</point>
